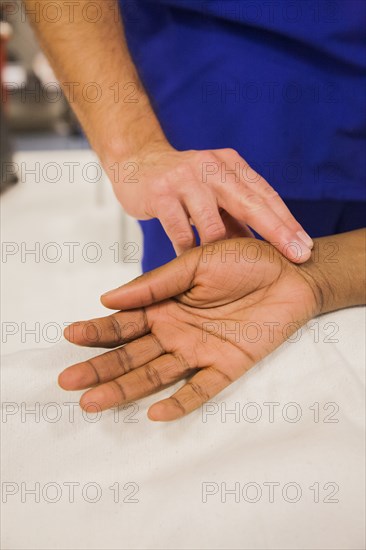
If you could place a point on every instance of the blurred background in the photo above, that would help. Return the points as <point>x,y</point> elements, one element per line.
<point>64,237</point>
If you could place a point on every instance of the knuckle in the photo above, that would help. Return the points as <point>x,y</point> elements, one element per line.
<point>183,238</point>
<point>280,229</point>
<point>268,191</point>
<point>212,226</point>
<point>175,225</point>
<point>153,376</point>
<point>205,156</point>
<point>230,152</point>
<point>181,172</point>
<point>250,175</point>
<point>114,328</point>
<point>177,229</point>
<point>206,165</point>
<point>161,188</point>
<point>253,201</point>
<point>123,360</point>
<point>118,390</point>
<point>215,230</point>
<point>200,392</point>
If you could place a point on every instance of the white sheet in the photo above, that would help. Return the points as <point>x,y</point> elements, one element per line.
<point>173,465</point>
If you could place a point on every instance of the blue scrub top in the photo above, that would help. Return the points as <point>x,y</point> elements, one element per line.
<point>280,81</point>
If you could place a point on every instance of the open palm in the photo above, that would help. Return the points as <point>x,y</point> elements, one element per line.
<point>209,316</point>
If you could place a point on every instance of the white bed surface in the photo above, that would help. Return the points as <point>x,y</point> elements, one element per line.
<point>171,478</point>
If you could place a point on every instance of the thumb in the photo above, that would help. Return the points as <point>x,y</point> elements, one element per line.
<point>164,282</point>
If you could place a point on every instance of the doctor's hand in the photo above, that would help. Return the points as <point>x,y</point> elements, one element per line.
<point>209,316</point>
<point>215,190</point>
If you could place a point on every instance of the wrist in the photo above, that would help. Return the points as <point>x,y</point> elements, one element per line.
<point>336,271</point>
<point>127,135</point>
<point>317,278</point>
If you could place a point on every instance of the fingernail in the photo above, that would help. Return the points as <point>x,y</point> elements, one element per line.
<point>297,250</point>
<point>305,238</point>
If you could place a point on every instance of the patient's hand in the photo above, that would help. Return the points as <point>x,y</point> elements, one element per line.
<point>209,315</point>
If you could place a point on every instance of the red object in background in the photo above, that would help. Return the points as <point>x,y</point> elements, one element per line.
<point>6,178</point>
<point>5,35</point>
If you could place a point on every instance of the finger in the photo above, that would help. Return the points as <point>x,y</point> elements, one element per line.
<point>164,282</point>
<point>201,387</point>
<point>111,331</point>
<point>260,185</point>
<point>204,212</point>
<point>138,383</point>
<point>284,213</point>
<point>176,225</point>
<point>234,229</point>
<point>257,184</point>
<point>248,206</point>
<point>112,364</point>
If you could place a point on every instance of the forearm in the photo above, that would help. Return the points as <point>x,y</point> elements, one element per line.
<point>115,112</point>
<point>337,270</point>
